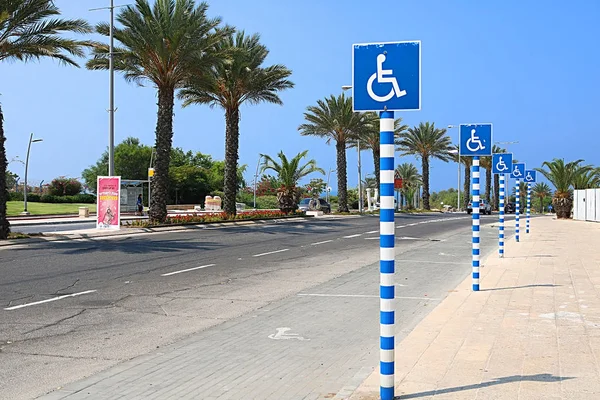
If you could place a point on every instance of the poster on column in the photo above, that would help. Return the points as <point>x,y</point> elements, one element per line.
<point>109,196</point>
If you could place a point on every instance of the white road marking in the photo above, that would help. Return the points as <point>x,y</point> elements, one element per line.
<point>270,252</point>
<point>188,270</point>
<point>323,242</point>
<point>352,236</point>
<point>401,226</point>
<point>372,238</point>
<point>48,300</point>
<point>371,232</point>
<point>282,335</point>
<point>363,296</point>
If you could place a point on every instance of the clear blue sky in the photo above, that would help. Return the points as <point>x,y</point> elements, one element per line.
<point>530,68</point>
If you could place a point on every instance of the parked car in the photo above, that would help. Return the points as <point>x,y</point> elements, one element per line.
<point>322,205</point>
<point>484,207</point>
<point>510,208</point>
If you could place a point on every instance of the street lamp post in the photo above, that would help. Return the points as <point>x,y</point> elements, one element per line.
<point>360,197</point>
<point>256,178</point>
<point>328,176</point>
<point>31,140</point>
<point>457,152</point>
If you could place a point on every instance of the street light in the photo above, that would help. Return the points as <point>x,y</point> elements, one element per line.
<point>31,140</point>
<point>256,177</point>
<point>328,176</point>
<point>457,152</point>
<point>360,198</point>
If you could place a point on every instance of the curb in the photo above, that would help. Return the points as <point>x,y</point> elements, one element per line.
<point>51,237</point>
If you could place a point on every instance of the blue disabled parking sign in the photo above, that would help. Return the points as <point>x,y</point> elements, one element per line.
<point>501,163</point>
<point>386,76</point>
<point>518,171</point>
<point>530,176</point>
<point>475,140</point>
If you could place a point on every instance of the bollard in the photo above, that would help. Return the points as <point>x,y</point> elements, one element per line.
<point>475,223</point>
<point>501,219</point>
<point>387,257</point>
<point>518,201</point>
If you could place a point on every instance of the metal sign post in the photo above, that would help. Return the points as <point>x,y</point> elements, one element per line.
<point>475,141</point>
<point>529,178</point>
<point>386,77</point>
<point>501,163</point>
<point>518,173</point>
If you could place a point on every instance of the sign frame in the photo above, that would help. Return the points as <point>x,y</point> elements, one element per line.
<point>384,106</point>
<point>495,163</point>
<point>533,173</point>
<point>515,167</point>
<point>477,153</point>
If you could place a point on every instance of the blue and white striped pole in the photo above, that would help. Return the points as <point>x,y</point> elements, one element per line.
<point>518,209</point>
<point>475,223</point>
<point>387,257</point>
<point>501,224</point>
<point>528,206</point>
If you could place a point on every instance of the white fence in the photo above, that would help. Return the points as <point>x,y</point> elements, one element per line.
<point>586,205</point>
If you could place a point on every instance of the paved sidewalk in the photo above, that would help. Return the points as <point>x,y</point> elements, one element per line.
<point>533,332</point>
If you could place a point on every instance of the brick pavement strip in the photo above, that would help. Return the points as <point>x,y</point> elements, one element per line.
<point>533,332</point>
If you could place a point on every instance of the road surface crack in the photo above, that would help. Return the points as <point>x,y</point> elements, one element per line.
<point>57,322</point>
<point>10,303</point>
<point>58,292</point>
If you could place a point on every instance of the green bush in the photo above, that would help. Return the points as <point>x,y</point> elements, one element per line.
<point>266,202</point>
<point>18,196</point>
<point>78,198</point>
<point>65,187</point>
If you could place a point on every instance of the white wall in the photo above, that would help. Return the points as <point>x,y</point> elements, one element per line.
<point>597,205</point>
<point>586,205</point>
<point>590,205</point>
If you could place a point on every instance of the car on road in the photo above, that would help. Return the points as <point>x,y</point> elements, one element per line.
<point>322,205</point>
<point>510,207</point>
<point>484,207</point>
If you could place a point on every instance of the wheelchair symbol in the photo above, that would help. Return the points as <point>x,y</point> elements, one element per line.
<point>474,143</point>
<point>517,172</point>
<point>384,76</point>
<point>529,178</point>
<point>501,166</point>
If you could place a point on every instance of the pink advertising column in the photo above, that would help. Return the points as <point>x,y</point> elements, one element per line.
<point>109,202</point>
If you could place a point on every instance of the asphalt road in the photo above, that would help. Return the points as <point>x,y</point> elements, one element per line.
<point>73,308</point>
<point>53,227</point>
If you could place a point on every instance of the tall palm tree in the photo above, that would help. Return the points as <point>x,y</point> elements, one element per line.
<point>243,79</point>
<point>541,190</point>
<point>289,173</point>
<point>334,120</point>
<point>164,44</point>
<point>563,176</point>
<point>587,178</point>
<point>411,180</point>
<point>425,141</point>
<point>31,30</point>
<point>486,163</point>
<point>369,137</point>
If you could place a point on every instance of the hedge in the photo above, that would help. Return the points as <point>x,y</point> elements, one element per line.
<point>48,198</point>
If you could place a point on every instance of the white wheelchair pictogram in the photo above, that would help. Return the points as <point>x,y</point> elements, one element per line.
<point>474,140</point>
<point>517,172</point>
<point>501,165</point>
<point>529,178</point>
<point>384,76</point>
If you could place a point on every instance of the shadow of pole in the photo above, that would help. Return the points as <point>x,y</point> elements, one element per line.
<point>520,287</point>
<point>499,381</point>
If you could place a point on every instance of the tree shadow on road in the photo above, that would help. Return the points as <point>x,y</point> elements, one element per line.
<point>126,246</point>
<point>520,287</point>
<point>499,381</point>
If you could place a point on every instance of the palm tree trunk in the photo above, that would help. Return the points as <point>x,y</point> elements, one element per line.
<point>4,224</point>
<point>376,156</point>
<point>232,144</point>
<point>496,192</point>
<point>488,184</point>
<point>541,205</point>
<point>467,186</point>
<point>425,167</point>
<point>164,140</point>
<point>401,204</point>
<point>342,177</point>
